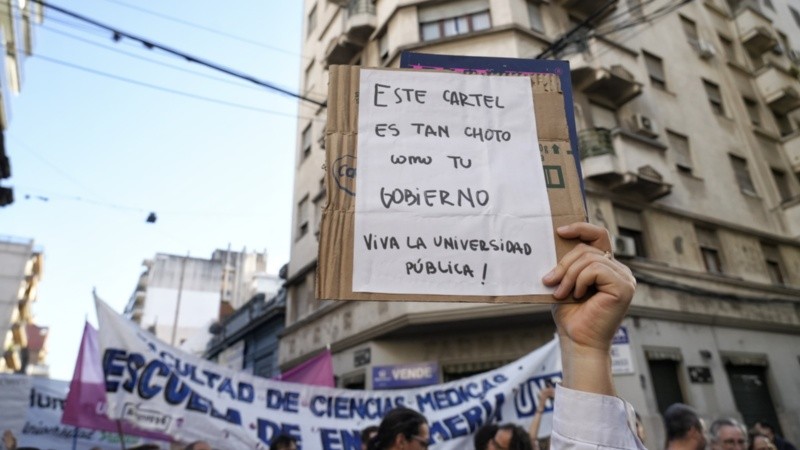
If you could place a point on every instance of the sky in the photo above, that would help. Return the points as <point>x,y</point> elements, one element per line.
<point>92,154</point>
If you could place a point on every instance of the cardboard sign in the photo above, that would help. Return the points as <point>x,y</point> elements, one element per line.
<point>454,199</point>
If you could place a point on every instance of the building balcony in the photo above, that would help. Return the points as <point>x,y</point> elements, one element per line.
<point>585,8</point>
<point>623,163</point>
<point>359,23</point>
<point>780,88</point>
<point>755,31</point>
<point>598,73</point>
<point>791,145</point>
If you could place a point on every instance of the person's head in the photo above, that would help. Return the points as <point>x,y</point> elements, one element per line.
<point>143,447</point>
<point>198,445</point>
<point>727,434</point>
<point>760,441</point>
<point>283,442</point>
<point>484,435</point>
<point>510,437</point>
<point>765,428</point>
<point>401,428</point>
<point>682,423</point>
<point>367,434</point>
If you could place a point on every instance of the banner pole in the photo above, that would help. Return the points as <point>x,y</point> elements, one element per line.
<point>121,435</point>
<point>75,438</point>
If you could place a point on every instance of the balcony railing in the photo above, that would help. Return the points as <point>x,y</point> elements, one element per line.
<point>756,31</point>
<point>622,163</point>
<point>359,24</point>
<point>780,88</point>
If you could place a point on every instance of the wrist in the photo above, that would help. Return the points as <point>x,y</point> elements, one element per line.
<point>587,368</point>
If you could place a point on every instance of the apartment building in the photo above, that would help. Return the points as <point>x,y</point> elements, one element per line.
<point>21,266</point>
<point>178,298</point>
<point>688,116</point>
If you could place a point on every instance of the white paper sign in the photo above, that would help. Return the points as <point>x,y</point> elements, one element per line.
<point>451,195</point>
<point>621,357</point>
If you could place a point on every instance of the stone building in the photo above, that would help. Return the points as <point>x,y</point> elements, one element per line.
<point>687,114</point>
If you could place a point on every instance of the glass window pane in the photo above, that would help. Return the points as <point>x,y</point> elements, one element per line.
<point>430,31</point>
<point>451,27</point>
<point>481,21</point>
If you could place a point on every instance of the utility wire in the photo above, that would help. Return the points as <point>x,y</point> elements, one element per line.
<point>208,29</point>
<point>119,34</point>
<point>563,40</point>
<point>163,89</point>
<point>142,58</point>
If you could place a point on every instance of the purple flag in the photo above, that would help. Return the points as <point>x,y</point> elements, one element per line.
<point>317,371</point>
<point>86,402</point>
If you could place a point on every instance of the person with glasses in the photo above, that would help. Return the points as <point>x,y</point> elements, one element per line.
<point>401,428</point>
<point>586,412</point>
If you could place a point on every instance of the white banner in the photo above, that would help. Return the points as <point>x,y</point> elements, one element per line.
<point>158,387</point>
<point>39,413</point>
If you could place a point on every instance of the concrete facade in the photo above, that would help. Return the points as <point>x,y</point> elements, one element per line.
<point>178,298</point>
<point>688,123</point>
<point>21,267</point>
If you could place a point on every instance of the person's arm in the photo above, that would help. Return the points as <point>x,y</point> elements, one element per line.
<point>544,395</point>
<point>586,413</point>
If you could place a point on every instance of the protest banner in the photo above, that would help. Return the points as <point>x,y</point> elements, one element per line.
<point>85,403</point>
<point>40,414</point>
<point>161,388</point>
<point>14,397</point>
<point>444,186</point>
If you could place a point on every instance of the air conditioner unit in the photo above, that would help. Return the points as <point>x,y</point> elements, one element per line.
<point>644,125</point>
<point>705,49</point>
<point>624,246</point>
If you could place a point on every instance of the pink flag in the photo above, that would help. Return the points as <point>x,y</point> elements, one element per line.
<point>86,402</point>
<point>317,371</point>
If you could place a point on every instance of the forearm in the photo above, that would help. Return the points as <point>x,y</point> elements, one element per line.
<point>586,369</point>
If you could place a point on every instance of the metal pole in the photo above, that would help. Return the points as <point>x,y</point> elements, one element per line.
<point>178,302</point>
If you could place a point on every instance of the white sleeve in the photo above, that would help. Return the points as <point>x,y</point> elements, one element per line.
<point>583,421</point>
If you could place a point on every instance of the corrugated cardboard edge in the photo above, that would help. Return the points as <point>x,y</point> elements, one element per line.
<point>335,259</point>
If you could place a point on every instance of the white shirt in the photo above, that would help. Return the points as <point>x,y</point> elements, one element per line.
<point>583,421</point>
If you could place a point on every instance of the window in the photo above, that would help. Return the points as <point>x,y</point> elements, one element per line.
<point>728,48</point>
<point>655,69</point>
<point>679,144</point>
<point>795,16</point>
<point>782,182</point>
<point>629,224</point>
<point>319,202</point>
<point>312,21</point>
<point>535,16</point>
<point>742,174</point>
<point>714,97</point>
<point>307,81</point>
<point>690,30</point>
<point>305,142</point>
<point>709,249</point>
<point>768,4</point>
<point>453,18</point>
<point>302,217</point>
<point>752,111</point>
<point>383,47</point>
<point>784,123</point>
<point>603,117</point>
<point>772,258</point>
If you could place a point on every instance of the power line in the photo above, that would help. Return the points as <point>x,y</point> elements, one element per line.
<point>142,58</point>
<point>563,40</point>
<point>208,29</point>
<point>161,88</point>
<point>119,34</point>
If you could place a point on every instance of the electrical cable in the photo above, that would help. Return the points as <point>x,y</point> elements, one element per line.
<point>208,29</point>
<point>119,34</point>
<point>143,58</point>
<point>559,43</point>
<point>164,89</point>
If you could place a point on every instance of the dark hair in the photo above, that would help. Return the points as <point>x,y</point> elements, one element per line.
<point>366,432</point>
<point>281,441</point>
<point>764,424</point>
<point>400,420</point>
<point>520,439</point>
<point>484,435</point>
<point>679,419</point>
